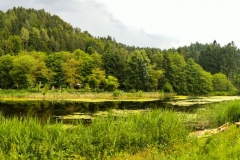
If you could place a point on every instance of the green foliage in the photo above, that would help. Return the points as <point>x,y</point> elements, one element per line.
<point>115,62</point>
<point>111,83</point>
<point>6,65</point>
<point>174,71</point>
<point>22,71</point>
<point>24,36</point>
<point>221,83</point>
<point>86,62</point>
<point>139,66</point>
<point>66,55</point>
<point>116,93</point>
<point>155,76</point>
<point>168,87</point>
<point>46,87</point>
<point>97,77</point>
<point>86,87</point>
<point>139,93</point>
<point>71,71</point>
<point>16,42</point>
<point>198,81</point>
<point>132,91</point>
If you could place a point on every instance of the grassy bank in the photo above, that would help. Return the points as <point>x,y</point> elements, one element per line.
<point>75,95</point>
<point>217,114</point>
<point>224,145</point>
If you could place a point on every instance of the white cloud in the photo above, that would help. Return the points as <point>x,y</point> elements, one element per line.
<point>152,23</point>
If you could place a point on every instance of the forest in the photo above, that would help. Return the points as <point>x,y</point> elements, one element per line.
<point>40,49</point>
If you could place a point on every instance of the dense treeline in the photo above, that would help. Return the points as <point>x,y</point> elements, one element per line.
<point>38,48</point>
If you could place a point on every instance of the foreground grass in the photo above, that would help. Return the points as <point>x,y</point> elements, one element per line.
<point>224,145</point>
<point>28,139</point>
<point>157,134</point>
<point>217,114</point>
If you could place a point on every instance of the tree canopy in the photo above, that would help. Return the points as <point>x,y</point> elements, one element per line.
<point>37,47</point>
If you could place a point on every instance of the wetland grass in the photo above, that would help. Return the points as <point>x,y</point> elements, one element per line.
<point>217,114</point>
<point>76,95</point>
<point>26,138</point>
<point>157,134</point>
<point>224,145</point>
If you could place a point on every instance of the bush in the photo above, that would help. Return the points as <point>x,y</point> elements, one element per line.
<point>139,93</point>
<point>86,88</point>
<point>116,93</point>
<point>168,87</point>
<point>32,90</point>
<point>132,91</point>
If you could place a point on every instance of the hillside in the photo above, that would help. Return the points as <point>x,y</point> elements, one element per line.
<point>59,55</point>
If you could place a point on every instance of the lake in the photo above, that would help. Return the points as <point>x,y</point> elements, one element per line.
<point>72,110</point>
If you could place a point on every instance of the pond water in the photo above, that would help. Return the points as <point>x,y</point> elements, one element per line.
<point>69,110</point>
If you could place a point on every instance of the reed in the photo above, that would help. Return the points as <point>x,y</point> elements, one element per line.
<point>216,114</point>
<point>26,138</point>
<point>157,134</point>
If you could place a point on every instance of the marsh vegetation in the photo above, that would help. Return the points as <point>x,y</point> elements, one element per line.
<point>157,133</point>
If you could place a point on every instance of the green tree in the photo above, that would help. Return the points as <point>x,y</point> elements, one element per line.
<point>25,37</point>
<point>6,65</point>
<point>71,71</point>
<point>221,83</point>
<point>154,78</point>
<point>17,44</point>
<point>115,63</point>
<point>139,70</point>
<point>111,83</point>
<point>96,78</point>
<point>198,81</point>
<point>21,72</point>
<point>35,39</point>
<point>157,60</point>
<point>55,63</point>
<point>7,46</point>
<point>229,60</point>
<point>86,62</point>
<point>174,72</point>
<point>44,35</point>
<point>210,58</point>
<point>41,72</point>
<point>97,60</point>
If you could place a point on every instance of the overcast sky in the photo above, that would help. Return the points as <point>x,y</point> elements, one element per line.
<point>147,23</point>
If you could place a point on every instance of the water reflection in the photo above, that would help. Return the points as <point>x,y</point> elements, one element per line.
<point>50,109</point>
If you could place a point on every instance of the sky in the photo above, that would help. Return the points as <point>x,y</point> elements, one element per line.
<point>147,23</point>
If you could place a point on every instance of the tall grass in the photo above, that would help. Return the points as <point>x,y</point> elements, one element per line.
<point>224,145</point>
<point>156,134</point>
<point>26,138</point>
<point>9,93</point>
<point>217,114</point>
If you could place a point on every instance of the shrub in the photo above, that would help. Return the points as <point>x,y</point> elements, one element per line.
<point>116,93</point>
<point>168,87</point>
<point>139,93</point>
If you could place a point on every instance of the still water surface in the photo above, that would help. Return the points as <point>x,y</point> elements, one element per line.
<point>44,110</point>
